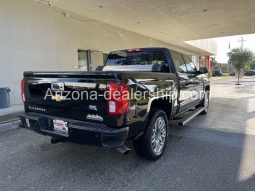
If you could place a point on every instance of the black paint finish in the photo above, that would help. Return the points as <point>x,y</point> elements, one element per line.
<point>170,85</point>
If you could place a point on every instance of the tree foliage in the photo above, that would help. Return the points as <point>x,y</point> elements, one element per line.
<point>240,58</point>
<point>213,62</point>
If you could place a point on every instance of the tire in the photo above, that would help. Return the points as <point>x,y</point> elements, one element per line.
<point>206,103</point>
<point>151,145</point>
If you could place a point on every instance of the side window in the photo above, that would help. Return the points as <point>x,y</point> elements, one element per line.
<point>159,59</point>
<point>191,68</point>
<point>178,62</point>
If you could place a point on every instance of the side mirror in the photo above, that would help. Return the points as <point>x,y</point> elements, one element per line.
<point>203,70</point>
<point>99,68</point>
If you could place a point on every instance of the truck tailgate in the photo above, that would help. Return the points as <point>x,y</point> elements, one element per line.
<point>86,90</point>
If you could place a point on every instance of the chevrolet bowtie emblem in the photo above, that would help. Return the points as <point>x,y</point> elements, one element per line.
<point>57,98</point>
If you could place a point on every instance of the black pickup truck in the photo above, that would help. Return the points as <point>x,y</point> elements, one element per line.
<point>137,95</point>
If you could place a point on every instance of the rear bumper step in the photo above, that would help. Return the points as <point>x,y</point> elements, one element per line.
<point>78,131</point>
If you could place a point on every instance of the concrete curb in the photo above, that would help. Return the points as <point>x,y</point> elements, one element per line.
<point>10,125</point>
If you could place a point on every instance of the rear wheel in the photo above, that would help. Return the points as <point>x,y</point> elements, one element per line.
<point>206,103</point>
<point>153,142</point>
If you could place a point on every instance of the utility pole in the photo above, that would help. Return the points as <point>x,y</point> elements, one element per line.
<point>242,40</point>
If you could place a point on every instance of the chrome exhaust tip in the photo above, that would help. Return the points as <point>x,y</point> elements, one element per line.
<point>124,150</point>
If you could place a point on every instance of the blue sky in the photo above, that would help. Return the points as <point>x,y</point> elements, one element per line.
<point>223,45</point>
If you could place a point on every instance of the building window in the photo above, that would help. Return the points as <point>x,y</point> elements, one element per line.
<point>105,57</point>
<point>83,60</point>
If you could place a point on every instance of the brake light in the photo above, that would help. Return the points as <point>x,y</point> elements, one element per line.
<point>23,91</point>
<point>118,98</point>
<point>135,50</point>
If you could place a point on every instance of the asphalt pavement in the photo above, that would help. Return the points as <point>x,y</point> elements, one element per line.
<point>213,152</point>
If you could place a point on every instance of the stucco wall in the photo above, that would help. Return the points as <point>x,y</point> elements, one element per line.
<point>209,45</point>
<point>35,37</point>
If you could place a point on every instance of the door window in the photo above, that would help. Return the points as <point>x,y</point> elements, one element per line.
<point>178,62</point>
<point>191,68</point>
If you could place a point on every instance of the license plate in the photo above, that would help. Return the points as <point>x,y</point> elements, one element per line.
<point>60,125</point>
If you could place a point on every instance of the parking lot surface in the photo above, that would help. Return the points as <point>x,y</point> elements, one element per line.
<point>213,152</point>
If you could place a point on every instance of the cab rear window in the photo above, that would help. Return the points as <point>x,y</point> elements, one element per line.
<point>135,58</point>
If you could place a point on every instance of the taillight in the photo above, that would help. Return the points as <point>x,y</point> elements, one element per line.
<point>23,91</point>
<point>118,98</point>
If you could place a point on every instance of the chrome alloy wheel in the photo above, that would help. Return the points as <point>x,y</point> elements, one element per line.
<point>158,138</point>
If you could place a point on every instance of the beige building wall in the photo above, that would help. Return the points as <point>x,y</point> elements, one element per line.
<point>209,45</point>
<point>34,37</point>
